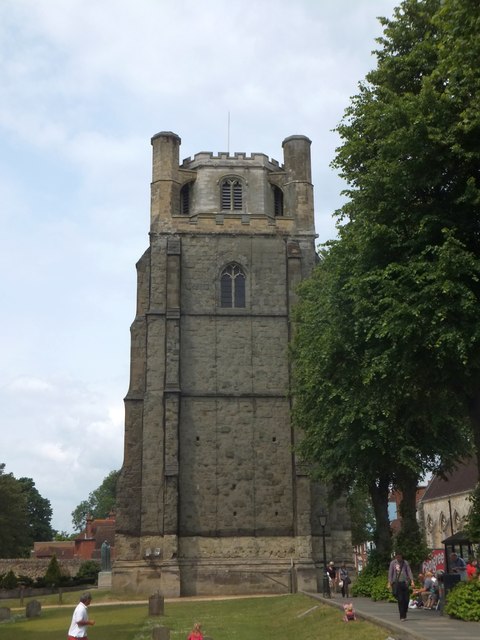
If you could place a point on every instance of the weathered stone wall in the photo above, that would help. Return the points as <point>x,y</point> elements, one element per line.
<point>37,567</point>
<point>235,467</point>
<point>437,521</point>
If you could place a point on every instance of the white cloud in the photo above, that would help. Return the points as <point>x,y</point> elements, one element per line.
<point>26,383</point>
<point>84,87</point>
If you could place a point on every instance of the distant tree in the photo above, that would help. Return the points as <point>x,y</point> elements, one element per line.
<point>14,533</point>
<point>99,503</point>
<point>61,536</point>
<point>39,512</point>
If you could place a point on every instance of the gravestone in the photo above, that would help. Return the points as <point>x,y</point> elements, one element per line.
<point>156,605</point>
<point>160,633</point>
<point>33,609</point>
<point>5,613</point>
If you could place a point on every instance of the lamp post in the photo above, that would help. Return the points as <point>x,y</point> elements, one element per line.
<point>326,581</point>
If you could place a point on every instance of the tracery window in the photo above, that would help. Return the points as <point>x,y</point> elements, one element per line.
<point>231,195</point>
<point>232,287</point>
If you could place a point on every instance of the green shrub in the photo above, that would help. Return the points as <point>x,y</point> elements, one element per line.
<point>380,590</point>
<point>372,586</point>
<point>9,580</point>
<point>363,585</point>
<point>88,572</point>
<point>25,580</point>
<point>463,601</point>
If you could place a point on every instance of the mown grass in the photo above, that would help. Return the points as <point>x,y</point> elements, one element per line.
<point>289,617</point>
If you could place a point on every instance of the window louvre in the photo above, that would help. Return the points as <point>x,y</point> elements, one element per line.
<point>277,201</point>
<point>185,199</point>
<point>231,195</point>
<point>237,196</point>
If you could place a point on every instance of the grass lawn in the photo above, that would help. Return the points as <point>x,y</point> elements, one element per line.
<point>289,617</point>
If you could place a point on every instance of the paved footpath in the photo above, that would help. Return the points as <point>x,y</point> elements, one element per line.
<point>420,624</point>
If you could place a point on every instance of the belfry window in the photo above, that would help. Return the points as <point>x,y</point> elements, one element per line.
<point>232,287</point>
<point>185,197</point>
<point>231,195</point>
<point>277,201</point>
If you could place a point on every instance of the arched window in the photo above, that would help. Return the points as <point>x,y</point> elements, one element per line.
<point>185,198</point>
<point>231,195</point>
<point>429,523</point>
<point>277,201</point>
<point>232,287</point>
<point>442,521</point>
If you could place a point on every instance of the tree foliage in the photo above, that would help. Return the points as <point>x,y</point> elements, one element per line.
<point>387,347</point>
<point>39,512</point>
<point>362,517</point>
<point>14,538</point>
<point>100,502</point>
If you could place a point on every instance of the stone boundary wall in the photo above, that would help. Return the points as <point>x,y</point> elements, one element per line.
<point>37,567</point>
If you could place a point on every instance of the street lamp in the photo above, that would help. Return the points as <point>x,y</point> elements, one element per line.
<point>326,581</point>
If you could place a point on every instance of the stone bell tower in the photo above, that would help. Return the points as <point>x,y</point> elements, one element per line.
<point>211,497</point>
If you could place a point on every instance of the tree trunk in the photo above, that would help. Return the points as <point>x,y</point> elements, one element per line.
<point>382,537</point>
<point>407,483</point>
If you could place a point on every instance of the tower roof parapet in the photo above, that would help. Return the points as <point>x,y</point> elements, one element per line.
<point>224,157</point>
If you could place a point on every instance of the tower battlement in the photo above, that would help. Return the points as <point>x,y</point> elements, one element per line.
<point>205,157</point>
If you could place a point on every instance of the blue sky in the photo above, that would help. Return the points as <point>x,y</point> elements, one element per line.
<point>84,85</point>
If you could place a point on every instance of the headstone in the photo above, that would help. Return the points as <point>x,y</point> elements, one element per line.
<point>33,609</point>
<point>160,633</point>
<point>5,613</point>
<point>156,605</point>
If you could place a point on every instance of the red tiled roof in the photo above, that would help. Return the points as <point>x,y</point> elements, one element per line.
<point>461,480</point>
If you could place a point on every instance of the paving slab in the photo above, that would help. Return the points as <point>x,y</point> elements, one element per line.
<point>421,624</point>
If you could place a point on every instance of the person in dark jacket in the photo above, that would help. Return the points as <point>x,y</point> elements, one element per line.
<point>400,578</point>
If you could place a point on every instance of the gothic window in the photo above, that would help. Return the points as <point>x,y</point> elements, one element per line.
<point>231,195</point>
<point>277,201</point>
<point>232,287</point>
<point>185,198</point>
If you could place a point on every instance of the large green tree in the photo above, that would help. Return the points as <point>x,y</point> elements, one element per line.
<point>100,502</point>
<point>39,512</point>
<point>387,352</point>
<point>14,535</point>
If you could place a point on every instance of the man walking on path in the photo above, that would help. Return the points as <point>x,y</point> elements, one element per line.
<point>80,621</point>
<point>400,577</point>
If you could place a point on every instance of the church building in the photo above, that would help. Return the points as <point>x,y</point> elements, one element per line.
<point>211,497</point>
